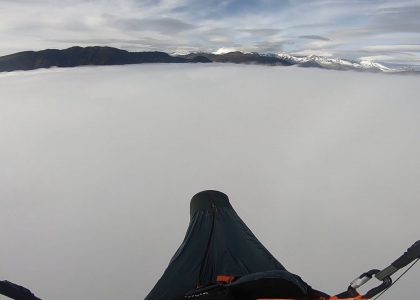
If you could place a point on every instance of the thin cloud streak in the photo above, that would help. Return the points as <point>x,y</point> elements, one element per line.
<point>314,37</point>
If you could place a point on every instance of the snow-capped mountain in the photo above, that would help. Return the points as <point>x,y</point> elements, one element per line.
<point>335,63</point>
<point>97,55</point>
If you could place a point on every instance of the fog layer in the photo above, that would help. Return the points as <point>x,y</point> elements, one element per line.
<point>98,164</point>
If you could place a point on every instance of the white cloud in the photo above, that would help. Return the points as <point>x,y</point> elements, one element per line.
<point>98,165</point>
<point>392,48</point>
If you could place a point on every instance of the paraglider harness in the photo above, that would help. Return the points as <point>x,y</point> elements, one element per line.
<point>223,289</point>
<point>14,291</point>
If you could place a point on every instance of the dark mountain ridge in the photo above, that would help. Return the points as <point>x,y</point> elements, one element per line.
<point>101,56</point>
<point>79,56</point>
<point>238,57</point>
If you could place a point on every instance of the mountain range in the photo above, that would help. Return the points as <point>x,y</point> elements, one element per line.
<point>99,56</point>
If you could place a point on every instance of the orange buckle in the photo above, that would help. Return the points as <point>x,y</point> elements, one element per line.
<point>225,279</point>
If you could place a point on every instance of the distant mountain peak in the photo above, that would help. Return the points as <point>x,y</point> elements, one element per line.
<point>336,63</point>
<point>103,55</point>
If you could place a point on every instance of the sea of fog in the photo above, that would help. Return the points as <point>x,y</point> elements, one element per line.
<point>98,165</point>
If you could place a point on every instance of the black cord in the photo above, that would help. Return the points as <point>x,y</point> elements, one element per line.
<point>412,265</point>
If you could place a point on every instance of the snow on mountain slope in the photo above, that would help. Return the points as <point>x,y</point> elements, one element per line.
<point>335,63</point>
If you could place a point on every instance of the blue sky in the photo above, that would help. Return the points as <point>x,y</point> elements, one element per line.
<point>382,30</point>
